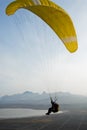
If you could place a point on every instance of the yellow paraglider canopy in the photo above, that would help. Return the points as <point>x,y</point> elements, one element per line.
<point>53,15</point>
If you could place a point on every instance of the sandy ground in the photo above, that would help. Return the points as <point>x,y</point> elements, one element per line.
<point>63,121</point>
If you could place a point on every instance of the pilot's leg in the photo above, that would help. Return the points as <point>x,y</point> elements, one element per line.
<point>49,111</point>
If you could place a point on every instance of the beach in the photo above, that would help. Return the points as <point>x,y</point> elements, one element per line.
<point>70,120</point>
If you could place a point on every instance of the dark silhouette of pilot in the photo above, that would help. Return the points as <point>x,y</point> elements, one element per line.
<point>54,108</point>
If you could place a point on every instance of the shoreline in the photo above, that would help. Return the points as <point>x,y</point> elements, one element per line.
<point>22,113</point>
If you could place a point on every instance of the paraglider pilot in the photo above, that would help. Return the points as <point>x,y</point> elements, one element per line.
<point>54,108</point>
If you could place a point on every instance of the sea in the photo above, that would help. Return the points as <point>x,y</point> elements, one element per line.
<point>19,113</point>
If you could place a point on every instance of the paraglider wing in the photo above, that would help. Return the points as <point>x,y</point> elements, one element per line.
<point>53,15</point>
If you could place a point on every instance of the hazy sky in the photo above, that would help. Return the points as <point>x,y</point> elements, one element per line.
<point>32,57</point>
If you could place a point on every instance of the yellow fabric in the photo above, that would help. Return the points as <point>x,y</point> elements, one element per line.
<point>53,15</point>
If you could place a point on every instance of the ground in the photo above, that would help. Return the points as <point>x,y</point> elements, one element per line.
<point>73,120</point>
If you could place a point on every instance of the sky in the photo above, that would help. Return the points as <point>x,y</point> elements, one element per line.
<point>33,58</point>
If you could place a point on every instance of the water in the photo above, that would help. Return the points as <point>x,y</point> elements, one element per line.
<point>18,113</point>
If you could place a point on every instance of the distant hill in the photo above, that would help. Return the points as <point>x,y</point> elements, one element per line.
<point>30,99</point>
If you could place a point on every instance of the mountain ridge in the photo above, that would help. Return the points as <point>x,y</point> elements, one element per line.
<point>28,99</point>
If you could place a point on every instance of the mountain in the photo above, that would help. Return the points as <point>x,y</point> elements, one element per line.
<point>29,99</point>
<point>26,97</point>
